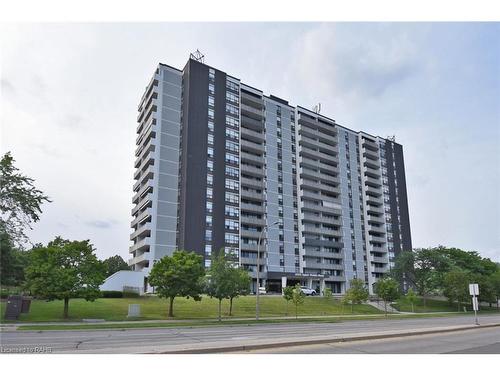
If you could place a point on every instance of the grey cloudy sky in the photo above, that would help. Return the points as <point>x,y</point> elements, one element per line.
<point>69,95</point>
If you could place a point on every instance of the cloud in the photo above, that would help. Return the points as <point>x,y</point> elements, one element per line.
<point>354,61</point>
<point>7,88</point>
<point>101,224</point>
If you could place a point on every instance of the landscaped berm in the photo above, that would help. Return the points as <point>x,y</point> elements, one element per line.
<point>157,308</point>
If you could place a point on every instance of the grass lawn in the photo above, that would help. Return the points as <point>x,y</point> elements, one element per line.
<point>433,305</point>
<point>156,308</point>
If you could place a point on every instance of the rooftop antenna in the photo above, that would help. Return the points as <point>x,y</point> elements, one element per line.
<point>198,56</point>
<point>317,108</point>
<point>392,138</point>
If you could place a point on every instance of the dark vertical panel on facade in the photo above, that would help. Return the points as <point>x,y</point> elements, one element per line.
<point>194,158</point>
<point>403,197</point>
<point>219,162</point>
<point>392,197</point>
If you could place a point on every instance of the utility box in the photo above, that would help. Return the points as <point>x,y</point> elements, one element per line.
<point>25,306</point>
<point>134,311</point>
<point>13,308</point>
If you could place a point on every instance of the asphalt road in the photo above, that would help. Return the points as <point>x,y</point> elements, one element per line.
<point>480,341</point>
<point>158,340</point>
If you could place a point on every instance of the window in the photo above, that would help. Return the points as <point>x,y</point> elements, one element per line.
<point>208,250</point>
<point>233,122</point>
<point>232,211</point>
<point>231,197</point>
<point>232,85</point>
<point>208,235</point>
<point>211,101</point>
<point>232,184</point>
<point>211,139</point>
<point>210,152</point>
<point>209,207</point>
<point>231,224</point>
<point>231,171</point>
<point>210,193</point>
<point>233,134</point>
<point>211,89</point>
<point>232,109</point>
<point>232,97</point>
<point>211,114</point>
<point>210,165</point>
<point>209,220</point>
<point>211,126</point>
<point>210,180</point>
<point>233,159</point>
<point>231,238</point>
<point>232,146</point>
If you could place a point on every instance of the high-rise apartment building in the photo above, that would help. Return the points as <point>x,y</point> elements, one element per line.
<point>218,164</point>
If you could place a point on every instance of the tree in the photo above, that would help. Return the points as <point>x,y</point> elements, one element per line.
<point>240,285</point>
<point>495,282</point>
<point>357,293</point>
<point>12,262</point>
<point>429,269</point>
<point>456,286</point>
<point>114,264</point>
<point>411,298</point>
<point>218,280</point>
<point>288,295</point>
<point>327,294</point>
<point>63,270</point>
<point>298,298</point>
<point>20,201</point>
<point>179,275</point>
<point>387,289</point>
<point>344,301</point>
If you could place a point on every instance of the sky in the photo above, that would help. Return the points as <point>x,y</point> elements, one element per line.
<point>69,96</point>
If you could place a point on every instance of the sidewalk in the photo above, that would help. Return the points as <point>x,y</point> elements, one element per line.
<point>13,326</point>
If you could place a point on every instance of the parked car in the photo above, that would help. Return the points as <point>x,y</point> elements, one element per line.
<point>308,291</point>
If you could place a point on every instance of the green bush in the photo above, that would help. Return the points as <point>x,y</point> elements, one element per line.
<point>130,294</point>
<point>4,295</point>
<point>112,294</point>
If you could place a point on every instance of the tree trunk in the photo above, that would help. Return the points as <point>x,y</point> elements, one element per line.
<point>286,310</point>
<point>171,308</point>
<point>458,304</point>
<point>231,306</point>
<point>412,308</point>
<point>66,307</point>
<point>220,301</point>
<point>425,302</point>
<point>296,313</point>
<point>352,308</point>
<point>385,307</point>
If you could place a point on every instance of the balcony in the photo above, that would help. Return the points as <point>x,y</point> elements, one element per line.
<point>252,135</point>
<point>144,201</point>
<point>314,124</point>
<point>143,216</point>
<point>253,195</point>
<point>326,138</point>
<point>249,233</point>
<point>377,192</point>
<point>307,173</point>
<point>376,220</point>
<point>251,207</point>
<point>318,144</point>
<point>251,100</point>
<point>369,154</point>
<point>375,239</point>
<point>375,229</point>
<point>248,122</point>
<point>374,200</point>
<point>252,220</point>
<point>252,146</point>
<point>371,163</point>
<point>141,245</point>
<point>378,259</point>
<point>142,191</point>
<point>143,258</point>
<point>142,231</point>
<point>256,114</point>
<point>252,182</point>
<point>375,182</point>
<point>252,158</point>
<point>251,170</point>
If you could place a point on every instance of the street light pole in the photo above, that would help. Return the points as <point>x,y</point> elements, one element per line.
<point>258,269</point>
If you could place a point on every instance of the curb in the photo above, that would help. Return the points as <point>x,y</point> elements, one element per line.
<point>321,341</point>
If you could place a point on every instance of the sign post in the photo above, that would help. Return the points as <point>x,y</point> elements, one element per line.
<point>474,292</point>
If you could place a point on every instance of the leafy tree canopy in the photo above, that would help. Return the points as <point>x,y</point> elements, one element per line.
<point>114,264</point>
<point>65,269</point>
<point>20,201</point>
<point>179,275</point>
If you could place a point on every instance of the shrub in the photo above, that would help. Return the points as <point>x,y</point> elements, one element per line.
<point>130,294</point>
<point>112,294</point>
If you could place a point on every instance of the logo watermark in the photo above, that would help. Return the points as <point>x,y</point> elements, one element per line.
<point>26,350</point>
